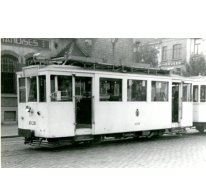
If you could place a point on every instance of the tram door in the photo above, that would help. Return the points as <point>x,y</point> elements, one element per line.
<point>83,102</point>
<point>176,109</point>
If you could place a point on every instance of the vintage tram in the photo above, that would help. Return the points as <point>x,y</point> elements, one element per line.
<point>199,102</point>
<point>82,101</point>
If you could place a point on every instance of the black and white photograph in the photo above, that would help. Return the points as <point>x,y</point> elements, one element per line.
<point>76,96</point>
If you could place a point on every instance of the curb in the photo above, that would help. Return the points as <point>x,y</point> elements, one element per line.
<point>12,136</point>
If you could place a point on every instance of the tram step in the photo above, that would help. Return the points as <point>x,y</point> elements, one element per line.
<point>175,130</point>
<point>49,144</point>
<point>84,138</point>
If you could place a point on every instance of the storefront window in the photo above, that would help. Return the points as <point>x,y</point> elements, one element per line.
<point>187,92</point>
<point>42,88</point>
<point>32,89</point>
<point>9,66</point>
<point>195,93</point>
<point>159,91</point>
<point>64,88</point>
<point>136,90</point>
<point>203,93</point>
<point>110,89</point>
<point>22,90</point>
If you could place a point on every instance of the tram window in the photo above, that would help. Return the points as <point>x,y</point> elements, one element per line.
<point>203,93</point>
<point>110,89</point>
<point>83,87</point>
<point>195,93</point>
<point>159,91</point>
<point>42,88</point>
<point>187,92</point>
<point>32,89</point>
<point>22,90</point>
<point>61,88</point>
<point>136,90</point>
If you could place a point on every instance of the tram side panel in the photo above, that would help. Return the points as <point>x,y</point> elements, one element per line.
<point>202,112</point>
<point>187,114</point>
<point>31,121</point>
<point>199,112</point>
<point>195,112</point>
<point>126,117</point>
<point>61,119</point>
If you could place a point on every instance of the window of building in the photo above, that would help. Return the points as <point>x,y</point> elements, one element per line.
<point>187,92</point>
<point>164,53</point>
<point>136,90</point>
<point>9,66</point>
<point>177,51</point>
<point>61,88</point>
<point>9,116</point>
<point>159,91</point>
<point>22,90</point>
<point>42,88</point>
<point>203,93</point>
<point>195,93</point>
<point>110,89</point>
<point>32,90</point>
<point>197,46</point>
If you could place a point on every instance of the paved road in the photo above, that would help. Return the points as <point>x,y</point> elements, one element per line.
<point>174,151</point>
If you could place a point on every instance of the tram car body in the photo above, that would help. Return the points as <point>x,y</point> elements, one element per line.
<point>199,102</point>
<point>71,103</point>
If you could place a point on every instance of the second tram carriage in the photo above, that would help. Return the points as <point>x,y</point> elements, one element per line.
<point>199,102</point>
<point>86,102</point>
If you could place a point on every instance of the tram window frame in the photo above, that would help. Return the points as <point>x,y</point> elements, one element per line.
<point>32,89</point>
<point>42,88</point>
<point>203,93</point>
<point>161,96</point>
<point>107,90</point>
<point>22,90</point>
<point>138,92</point>
<point>187,96</point>
<point>195,95</point>
<point>58,95</point>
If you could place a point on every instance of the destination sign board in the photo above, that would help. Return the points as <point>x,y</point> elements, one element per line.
<point>26,42</point>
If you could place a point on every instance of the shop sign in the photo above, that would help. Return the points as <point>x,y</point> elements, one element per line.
<point>28,42</point>
<point>172,63</point>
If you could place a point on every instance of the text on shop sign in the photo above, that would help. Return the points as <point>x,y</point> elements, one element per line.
<point>38,43</point>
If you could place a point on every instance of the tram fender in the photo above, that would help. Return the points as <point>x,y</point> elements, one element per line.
<point>25,132</point>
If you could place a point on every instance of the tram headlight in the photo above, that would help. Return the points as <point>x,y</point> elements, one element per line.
<point>28,109</point>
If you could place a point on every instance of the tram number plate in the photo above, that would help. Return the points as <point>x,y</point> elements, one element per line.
<point>138,123</point>
<point>32,123</point>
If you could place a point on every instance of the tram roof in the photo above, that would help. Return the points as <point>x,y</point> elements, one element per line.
<point>198,77</point>
<point>75,62</point>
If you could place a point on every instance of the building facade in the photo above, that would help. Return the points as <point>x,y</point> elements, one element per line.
<point>175,52</point>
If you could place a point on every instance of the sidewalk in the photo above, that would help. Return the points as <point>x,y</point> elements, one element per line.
<point>9,130</point>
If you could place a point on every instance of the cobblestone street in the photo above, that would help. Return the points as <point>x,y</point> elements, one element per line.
<point>176,151</point>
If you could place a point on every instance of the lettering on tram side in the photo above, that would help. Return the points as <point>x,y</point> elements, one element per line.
<point>28,42</point>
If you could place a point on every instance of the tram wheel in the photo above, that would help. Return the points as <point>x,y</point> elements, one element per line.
<point>97,140</point>
<point>200,128</point>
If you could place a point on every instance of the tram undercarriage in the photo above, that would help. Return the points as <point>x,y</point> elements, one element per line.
<point>200,126</point>
<point>96,139</point>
